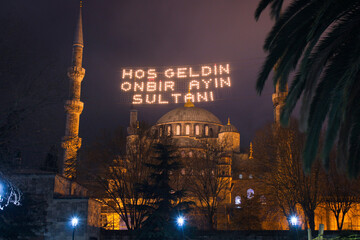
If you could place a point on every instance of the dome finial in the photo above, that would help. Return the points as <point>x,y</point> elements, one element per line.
<point>228,121</point>
<point>251,151</point>
<point>188,101</point>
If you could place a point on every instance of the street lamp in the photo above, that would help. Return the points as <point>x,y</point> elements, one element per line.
<point>181,222</point>
<point>74,223</point>
<point>294,221</point>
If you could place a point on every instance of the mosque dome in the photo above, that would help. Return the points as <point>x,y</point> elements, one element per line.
<point>189,114</point>
<point>228,128</point>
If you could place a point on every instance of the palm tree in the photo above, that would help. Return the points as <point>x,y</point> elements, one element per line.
<point>320,40</point>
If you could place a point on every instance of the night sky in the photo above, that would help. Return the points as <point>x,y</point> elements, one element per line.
<point>131,33</point>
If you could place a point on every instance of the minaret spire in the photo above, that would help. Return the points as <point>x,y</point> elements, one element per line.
<point>278,99</point>
<point>73,107</point>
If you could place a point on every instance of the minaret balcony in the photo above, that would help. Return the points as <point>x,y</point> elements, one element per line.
<point>74,106</point>
<point>76,73</point>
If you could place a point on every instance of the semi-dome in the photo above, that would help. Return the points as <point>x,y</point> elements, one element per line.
<point>189,114</point>
<point>228,127</point>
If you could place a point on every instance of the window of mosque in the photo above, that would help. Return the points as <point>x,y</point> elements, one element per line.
<point>190,154</point>
<point>187,129</point>
<point>178,129</point>
<point>168,130</point>
<point>250,193</point>
<point>182,154</point>
<point>211,133</point>
<point>250,176</point>
<point>206,130</point>
<point>197,130</point>
<point>240,176</point>
<point>183,171</point>
<point>160,131</point>
<point>237,200</point>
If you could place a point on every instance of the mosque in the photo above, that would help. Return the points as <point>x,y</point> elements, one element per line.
<point>187,125</point>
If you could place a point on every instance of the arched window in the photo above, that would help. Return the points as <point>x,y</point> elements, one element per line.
<point>191,154</point>
<point>237,200</point>
<point>240,176</point>
<point>168,130</point>
<point>160,131</point>
<point>178,129</point>
<point>206,130</point>
<point>197,130</point>
<point>250,176</point>
<point>250,193</point>
<point>187,129</point>
<point>211,133</point>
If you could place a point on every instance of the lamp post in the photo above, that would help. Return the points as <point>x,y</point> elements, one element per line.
<point>181,222</point>
<point>294,221</point>
<point>74,223</point>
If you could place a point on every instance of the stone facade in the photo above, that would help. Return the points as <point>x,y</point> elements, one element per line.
<point>63,199</point>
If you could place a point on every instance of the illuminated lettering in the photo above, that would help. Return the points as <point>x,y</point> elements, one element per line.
<point>148,98</point>
<point>136,86</point>
<point>227,82</point>
<point>165,85</point>
<point>190,97</point>
<point>181,72</point>
<point>191,74</point>
<point>139,74</point>
<point>152,73</point>
<point>169,73</point>
<point>195,84</point>
<point>137,99</point>
<point>205,71</point>
<point>125,73</point>
<point>176,96</point>
<point>151,86</point>
<point>227,69</point>
<point>162,102</point>
<point>169,84</point>
<point>206,83</point>
<point>203,96</point>
<point>125,86</point>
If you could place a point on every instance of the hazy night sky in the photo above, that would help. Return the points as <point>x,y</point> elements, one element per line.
<point>119,33</point>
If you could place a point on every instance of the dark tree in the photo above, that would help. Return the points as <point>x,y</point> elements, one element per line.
<point>339,194</point>
<point>278,167</point>
<point>321,41</point>
<point>113,169</point>
<point>167,203</point>
<point>207,182</point>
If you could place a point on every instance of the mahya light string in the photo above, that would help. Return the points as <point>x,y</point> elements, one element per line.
<point>164,85</point>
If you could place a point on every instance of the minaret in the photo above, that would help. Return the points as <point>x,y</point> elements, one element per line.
<point>278,99</point>
<point>73,107</point>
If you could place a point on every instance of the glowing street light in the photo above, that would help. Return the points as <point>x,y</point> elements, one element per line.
<point>74,223</point>
<point>180,221</point>
<point>294,221</point>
